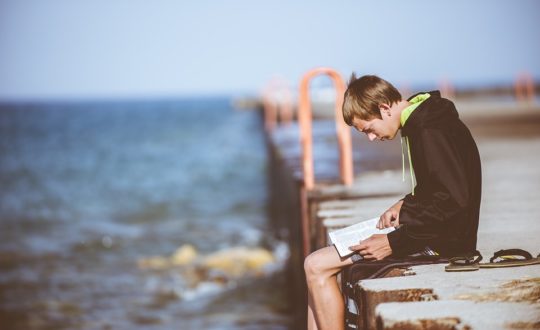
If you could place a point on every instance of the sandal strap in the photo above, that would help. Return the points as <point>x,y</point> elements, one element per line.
<point>510,252</point>
<point>467,259</point>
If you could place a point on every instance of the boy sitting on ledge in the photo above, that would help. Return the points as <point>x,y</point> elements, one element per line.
<point>439,216</point>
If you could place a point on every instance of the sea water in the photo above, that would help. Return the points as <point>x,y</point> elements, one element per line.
<point>96,198</point>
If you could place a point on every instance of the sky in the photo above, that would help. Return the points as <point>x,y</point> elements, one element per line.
<point>59,49</point>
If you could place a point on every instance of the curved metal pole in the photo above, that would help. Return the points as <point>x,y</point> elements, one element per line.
<point>306,141</point>
<point>524,87</point>
<point>343,131</point>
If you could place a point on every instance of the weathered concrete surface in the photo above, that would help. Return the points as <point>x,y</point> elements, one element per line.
<point>510,210</point>
<point>344,213</point>
<point>452,314</point>
<point>520,285</point>
<point>367,184</point>
<point>371,194</point>
<point>490,106</point>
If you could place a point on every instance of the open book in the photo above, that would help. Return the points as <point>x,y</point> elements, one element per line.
<point>345,237</point>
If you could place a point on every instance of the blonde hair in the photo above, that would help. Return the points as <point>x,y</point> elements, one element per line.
<point>364,95</point>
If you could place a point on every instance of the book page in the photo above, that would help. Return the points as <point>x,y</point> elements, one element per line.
<point>352,235</point>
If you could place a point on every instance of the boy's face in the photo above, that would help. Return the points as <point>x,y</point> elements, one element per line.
<point>382,129</point>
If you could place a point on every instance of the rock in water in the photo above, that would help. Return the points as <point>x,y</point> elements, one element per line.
<point>184,255</point>
<point>238,261</point>
<point>232,262</point>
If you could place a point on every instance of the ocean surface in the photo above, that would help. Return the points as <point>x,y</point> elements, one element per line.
<point>137,215</point>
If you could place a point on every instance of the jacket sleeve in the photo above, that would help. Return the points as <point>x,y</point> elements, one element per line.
<point>443,194</point>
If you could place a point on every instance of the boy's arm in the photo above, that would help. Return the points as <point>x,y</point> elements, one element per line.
<point>423,219</point>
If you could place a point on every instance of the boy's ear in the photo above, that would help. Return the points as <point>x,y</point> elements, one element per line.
<point>385,108</point>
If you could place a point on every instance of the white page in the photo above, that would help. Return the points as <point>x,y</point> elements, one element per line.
<point>345,237</point>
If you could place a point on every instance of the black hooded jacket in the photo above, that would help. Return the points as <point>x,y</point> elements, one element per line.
<point>444,210</point>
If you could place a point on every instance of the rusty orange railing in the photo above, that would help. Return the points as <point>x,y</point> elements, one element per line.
<point>277,104</point>
<point>306,140</point>
<point>524,87</point>
<point>343,131</point>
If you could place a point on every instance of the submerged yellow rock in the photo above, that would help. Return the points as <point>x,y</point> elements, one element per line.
<point>232,262</point>
<point>184,255</point>
<point>238,261</point>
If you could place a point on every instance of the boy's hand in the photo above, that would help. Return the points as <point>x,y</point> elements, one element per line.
<point>390,217</point>
<point>375,247</point>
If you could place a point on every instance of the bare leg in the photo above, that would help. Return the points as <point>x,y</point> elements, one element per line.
<point>326,306</point>
<point>311,324</point>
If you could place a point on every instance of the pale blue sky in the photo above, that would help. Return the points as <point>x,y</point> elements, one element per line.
<point>153,48</point>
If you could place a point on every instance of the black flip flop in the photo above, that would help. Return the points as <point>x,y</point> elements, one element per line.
<point>511,258</point>
<point>465,263</point>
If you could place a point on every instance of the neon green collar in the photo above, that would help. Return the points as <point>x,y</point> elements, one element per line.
<point>415,102</point>
<point>405,114</point>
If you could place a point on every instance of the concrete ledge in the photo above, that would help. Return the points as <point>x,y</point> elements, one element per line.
<point>344,213</point>
<point>338,206</point>
<point>431,283</point>
<point>357,207</point>
<point>365,185</point>
<point>454,314</point>
<point>502,284</point>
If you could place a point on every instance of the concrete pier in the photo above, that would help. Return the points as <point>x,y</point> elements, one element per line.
<point>508,138</point>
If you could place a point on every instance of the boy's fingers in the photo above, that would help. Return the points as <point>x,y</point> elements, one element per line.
<point>383,220</point>
<point>357,247</point>
<point>387,221</point>
<point>393,220</point>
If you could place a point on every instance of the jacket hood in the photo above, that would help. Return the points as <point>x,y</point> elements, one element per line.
<point>435,112</point>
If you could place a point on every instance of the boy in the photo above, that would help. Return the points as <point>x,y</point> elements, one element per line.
<point>439,216</point>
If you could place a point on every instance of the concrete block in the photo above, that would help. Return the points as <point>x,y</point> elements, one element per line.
<point>431,282</point>
<point>455,314</point>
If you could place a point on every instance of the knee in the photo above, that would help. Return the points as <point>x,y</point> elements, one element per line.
<point>314,267</point>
